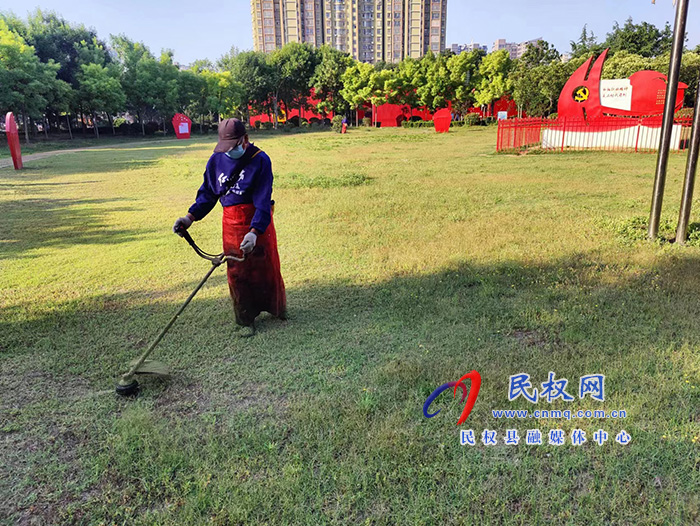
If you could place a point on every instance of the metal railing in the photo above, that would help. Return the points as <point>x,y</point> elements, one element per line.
<point>617,134</point>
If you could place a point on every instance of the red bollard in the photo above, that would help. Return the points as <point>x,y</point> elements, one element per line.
<point>345,127</point>
<point>13,140</point>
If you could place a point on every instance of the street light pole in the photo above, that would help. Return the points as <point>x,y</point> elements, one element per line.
<point>669,111</point>
<point>690,169</point>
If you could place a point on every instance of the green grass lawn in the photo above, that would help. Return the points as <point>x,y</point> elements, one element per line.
<point>410,258</point>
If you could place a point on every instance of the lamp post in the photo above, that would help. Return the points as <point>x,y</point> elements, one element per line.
<point>669,110</point>
<point>690,169</point>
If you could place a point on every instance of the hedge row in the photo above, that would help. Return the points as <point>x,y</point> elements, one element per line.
<point>431,124</point>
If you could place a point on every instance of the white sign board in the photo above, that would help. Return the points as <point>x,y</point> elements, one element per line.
<point>502,115</point>
<point>183,128</point>
<point>616,93</point>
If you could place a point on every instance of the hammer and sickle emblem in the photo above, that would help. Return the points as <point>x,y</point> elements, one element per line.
<point>581,94</point>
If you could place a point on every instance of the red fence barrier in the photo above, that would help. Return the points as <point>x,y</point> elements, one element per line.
<point>607,133</point>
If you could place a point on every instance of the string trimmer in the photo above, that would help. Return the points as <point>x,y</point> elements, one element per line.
<point>127,385</point>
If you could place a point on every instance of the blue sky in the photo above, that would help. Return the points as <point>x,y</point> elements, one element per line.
<point>203,29</point>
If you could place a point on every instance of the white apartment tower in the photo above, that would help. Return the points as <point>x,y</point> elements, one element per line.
<point>369,30</point>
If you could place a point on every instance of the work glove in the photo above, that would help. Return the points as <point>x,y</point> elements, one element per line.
<point>183,223</point>
<point>248,243</point>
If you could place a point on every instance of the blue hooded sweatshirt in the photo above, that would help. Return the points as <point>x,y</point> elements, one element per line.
<point>254,185</point>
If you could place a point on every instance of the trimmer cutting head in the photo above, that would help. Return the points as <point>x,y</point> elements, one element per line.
<point>128,386</point>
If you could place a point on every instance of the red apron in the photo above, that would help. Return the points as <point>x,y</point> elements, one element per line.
<point>256,284</point>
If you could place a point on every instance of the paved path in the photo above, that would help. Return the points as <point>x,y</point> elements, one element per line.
<point>7,162</point>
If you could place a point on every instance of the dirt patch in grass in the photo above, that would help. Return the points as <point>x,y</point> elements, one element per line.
<point>188,400</point>
<point>529,337</point>
<point>23,456</point>
<point>21,389</point>
<point>192,399</point>
<point>249,396</point>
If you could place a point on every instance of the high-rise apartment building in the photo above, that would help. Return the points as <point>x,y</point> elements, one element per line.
<point>515,50</point>
<point>458,49</point>
<point>369,30</point>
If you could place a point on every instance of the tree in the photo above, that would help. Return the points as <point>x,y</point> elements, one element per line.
<point>166,98</point>
<point>586,45</point>
<point>493,70</point>
<point>536,90</point>
<point>228,61</point>
<point>464,74</point>
<point>327,80</point>
<point>225,96</point>
<point>690,70</point>
<point>26,82</point>
<point>641,39</point>
<point>53,38</point>
<point>68,45</point>
<point>291,69</point>
<point>623,64</point>
<point>539,54</point>
<point>138,75</point>
<point>358,84</point>
<point>100,91</point>
<point>437,88</point>
<point>252,72</point>
<point>200,65</point>
<point>401,85</point>
<point>189,88</point>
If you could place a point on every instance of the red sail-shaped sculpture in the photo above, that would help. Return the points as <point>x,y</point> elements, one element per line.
<point>13,140</point>
<point>644,93</point>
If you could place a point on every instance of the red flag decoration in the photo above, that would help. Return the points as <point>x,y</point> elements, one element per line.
<point>13,140</point>
<point>182,125</point>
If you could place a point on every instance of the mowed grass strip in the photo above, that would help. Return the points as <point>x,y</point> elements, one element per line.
<point>410,258</point>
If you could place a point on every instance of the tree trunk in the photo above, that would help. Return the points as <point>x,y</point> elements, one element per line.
<point>83,123</point>
<point>70,132</point>
<point>26,126</point>
<point>143,128</point>
<point>111,123</point>
<point>201,124</point>
<point>165,132</point>
<point>46,127</point>
<point>94,125</point>
<point>274,109</point>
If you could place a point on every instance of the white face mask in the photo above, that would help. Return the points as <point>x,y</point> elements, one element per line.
<point>236,153</point>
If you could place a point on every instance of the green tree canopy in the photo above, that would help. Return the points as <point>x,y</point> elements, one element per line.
<point>641,39</point>
<point>539,54</point>
<point>252,71</point>
<point>54,39</point>
<point>464,75</point>
<point>27,83</point>
<point>99,90</point>
<point>586,45</point>
<point>327,80</point>
<point>493,70</point>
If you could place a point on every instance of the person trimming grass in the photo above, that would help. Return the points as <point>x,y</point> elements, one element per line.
<point>239,175</point>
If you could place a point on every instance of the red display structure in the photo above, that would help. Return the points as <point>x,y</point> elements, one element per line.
<point>442,120</point>
<point>13,140</point>
<point>182,125</point>
<point>587,96</point>
<point>612,114</point>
